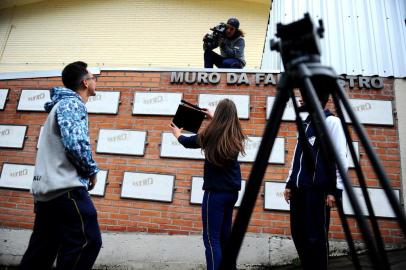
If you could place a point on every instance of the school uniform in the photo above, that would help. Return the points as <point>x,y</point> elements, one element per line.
<point>310,185</point>
<point>221,186</point>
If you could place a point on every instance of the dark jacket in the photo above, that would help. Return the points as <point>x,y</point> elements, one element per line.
<point>322,176</point>
<point>234,48</point>
<point>226,178</point>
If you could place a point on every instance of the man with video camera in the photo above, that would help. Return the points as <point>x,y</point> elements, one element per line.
<point>230,39</point>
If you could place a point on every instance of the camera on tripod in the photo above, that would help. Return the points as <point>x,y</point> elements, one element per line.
<point>211,40</point>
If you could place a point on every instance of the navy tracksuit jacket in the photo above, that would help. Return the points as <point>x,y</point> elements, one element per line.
<point>309,187</point>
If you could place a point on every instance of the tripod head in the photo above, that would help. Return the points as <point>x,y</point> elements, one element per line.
<point>298,41</point>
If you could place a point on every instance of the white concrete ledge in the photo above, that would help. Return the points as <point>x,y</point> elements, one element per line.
<point>155,251</point>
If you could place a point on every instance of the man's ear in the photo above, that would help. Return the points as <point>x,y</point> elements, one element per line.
<point>85,83</point>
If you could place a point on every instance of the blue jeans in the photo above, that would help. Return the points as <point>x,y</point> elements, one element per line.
<point>66,228</point>
<point>217,213</point>
<point>211,58</point>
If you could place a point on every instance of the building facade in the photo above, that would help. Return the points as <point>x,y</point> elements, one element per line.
<point>149,192</point>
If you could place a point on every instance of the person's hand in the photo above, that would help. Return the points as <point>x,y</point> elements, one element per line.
<point>287,194</point>
<point>92,181</point>
<point>221,41</point>
<point>209,114</point>
<point>331,201</point>
<point>175,130</point>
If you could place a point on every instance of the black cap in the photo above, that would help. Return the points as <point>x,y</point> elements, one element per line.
<point>234,22</point>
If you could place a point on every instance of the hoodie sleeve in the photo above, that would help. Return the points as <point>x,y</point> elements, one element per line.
<point>71,116</point>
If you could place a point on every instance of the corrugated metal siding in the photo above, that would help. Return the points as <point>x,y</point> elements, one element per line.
<point>125,33</point>
<point>362,37</point>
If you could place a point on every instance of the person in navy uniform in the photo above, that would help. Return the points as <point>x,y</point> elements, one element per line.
<point>222,141</point>
<point>312,192</point>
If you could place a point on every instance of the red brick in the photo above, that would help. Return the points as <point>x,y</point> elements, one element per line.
<point>180,217</point>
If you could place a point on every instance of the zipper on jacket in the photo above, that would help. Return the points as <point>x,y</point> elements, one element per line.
<point>301,156</point>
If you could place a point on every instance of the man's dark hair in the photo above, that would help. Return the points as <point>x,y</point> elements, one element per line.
<point>73,73</point>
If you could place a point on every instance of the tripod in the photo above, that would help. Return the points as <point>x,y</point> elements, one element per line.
<point>300,52</point>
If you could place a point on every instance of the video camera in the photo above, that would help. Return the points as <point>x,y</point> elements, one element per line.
<point>211,40</point>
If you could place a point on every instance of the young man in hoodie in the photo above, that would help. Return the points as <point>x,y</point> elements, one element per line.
<point>313,190</point>
<point>66,224</point>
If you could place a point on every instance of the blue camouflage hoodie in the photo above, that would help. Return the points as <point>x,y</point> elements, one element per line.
<point>72,119</point>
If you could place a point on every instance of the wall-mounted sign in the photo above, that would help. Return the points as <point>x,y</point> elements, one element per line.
<point>121,141</point>
<point>350,161</point>
<point>197,192</point>
<point>170,147</point>
<point>33,100</point>
<point>242,102</point>
<point>3,98</point>
<point>362,82</point>
<point>153,103</point>
<point>104,102</point>
<point>12,136</point>
<point>379,202</point>
<point>252,146</point>
<point>232,78</point>
<point>274,199</point>
<point>289,114</point>
<point>17,176</point>
<point>265,79</point>
<point>376,112</point>
<point>101,183</point>
<point>148,186</point>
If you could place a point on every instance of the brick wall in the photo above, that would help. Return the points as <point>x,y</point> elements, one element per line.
<point>178,217</point>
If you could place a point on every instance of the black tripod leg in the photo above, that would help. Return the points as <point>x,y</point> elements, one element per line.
<point>362,182</point>
<point>378,168</point>
<point>343,218</point>
<point>315,110</point>
<point>256,175</point>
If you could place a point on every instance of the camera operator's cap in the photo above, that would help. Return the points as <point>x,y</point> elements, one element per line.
<point>234,22</point>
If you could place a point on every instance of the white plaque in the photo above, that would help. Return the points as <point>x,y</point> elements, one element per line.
<point>100,187</point>
<point>154,103</point>
<point>12,136</point>
<point>3,98</point>
<point>17,176</point>
<point>197,192</point>
<point>148,186</point>
<point>170,147</point>
<point>289,113</point>
<point>242,102</point>
<point>350,161</point>
<point>252,146</point>
<point>121,141</point>
<point>377,112</point>
<point>103,102</point>
<point>274,199</point>
<point>33,100</point>
<point>379,201</point>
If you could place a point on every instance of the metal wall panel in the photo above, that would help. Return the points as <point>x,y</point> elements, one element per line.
<point>46,35</point>
<point>363,37</point>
